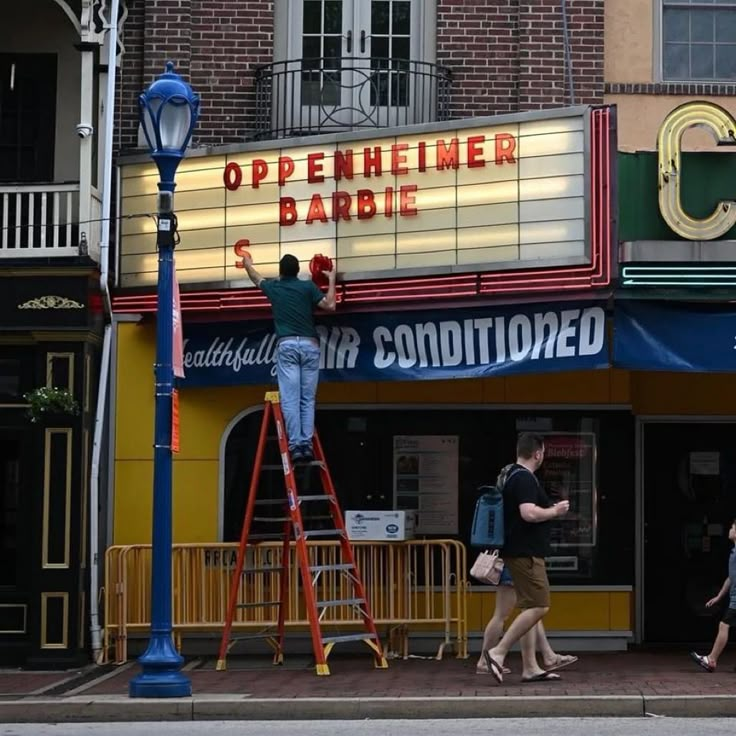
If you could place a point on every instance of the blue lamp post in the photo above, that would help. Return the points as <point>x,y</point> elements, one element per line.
<point>168,112</point>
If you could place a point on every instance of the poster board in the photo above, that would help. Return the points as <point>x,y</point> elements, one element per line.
<point>425,475</point>
<point>569,472</point>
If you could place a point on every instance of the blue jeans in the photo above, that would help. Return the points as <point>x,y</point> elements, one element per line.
<point>297,368</point>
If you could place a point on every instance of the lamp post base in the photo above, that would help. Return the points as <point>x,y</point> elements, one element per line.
<point>161,676</point>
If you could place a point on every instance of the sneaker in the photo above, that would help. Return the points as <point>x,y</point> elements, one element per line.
<point>297,455</point>
<point>307,453</point>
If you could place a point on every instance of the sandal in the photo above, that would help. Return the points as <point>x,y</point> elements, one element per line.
<point>542,677</point>
<point>494,667</point>
<point>481,671</point>
<point>702,661</point>
<point>560,661</point>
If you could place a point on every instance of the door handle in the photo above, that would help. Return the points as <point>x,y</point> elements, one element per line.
<point>363,38</point>
<point>349,41</point>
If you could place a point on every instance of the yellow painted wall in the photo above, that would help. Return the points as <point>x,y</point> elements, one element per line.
<point>628,41</point>
<point>569,611</point>
<point>639,118</point>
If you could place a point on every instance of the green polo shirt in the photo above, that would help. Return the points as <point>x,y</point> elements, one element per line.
<point>293,301</point>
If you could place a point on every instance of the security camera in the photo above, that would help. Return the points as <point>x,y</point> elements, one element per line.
<point>84,130</point>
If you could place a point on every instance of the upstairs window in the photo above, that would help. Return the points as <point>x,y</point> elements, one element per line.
<point>699,40</point>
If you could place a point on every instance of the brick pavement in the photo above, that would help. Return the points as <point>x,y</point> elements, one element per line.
<point>620,673</point>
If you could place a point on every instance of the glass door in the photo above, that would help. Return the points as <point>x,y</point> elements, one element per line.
<point>353,64</point>
<point>689,486</point>
<point>393,83</point>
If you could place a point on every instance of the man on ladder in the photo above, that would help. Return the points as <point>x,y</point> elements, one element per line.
<point>297,352</point>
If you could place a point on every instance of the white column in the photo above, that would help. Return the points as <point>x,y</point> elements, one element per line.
<point>87,116</point>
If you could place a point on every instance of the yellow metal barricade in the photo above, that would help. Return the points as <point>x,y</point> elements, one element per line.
<point>419,585</point>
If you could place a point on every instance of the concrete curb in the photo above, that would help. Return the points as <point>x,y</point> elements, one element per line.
<point>698,706</point>
<point>80,708</point>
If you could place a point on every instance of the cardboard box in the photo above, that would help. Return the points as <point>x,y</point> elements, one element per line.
<point>380,526</point>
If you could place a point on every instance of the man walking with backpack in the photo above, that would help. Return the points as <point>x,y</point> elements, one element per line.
<point>527,511</point>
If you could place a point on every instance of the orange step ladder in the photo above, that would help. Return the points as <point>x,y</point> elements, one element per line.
<point>294,525</point>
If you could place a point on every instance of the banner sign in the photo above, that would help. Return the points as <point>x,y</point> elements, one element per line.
<point>416,345</point>
<point>649,336</point>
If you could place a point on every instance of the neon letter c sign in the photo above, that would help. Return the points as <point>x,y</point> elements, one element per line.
<point>723,127</point>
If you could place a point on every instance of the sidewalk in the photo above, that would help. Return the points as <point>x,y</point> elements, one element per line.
<point>602,684</point>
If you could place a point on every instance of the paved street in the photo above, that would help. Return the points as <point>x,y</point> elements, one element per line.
<point>468,727</point>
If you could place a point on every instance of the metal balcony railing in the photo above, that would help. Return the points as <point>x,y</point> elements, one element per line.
<point>39,220</point>
<point>323,95</point>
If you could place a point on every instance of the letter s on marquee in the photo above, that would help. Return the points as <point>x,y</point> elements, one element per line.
<point>723,127</point>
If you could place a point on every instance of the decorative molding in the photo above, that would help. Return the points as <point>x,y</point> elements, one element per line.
<point>710,89</point>
<point>51,302</point>
<point>102,21</point>
<point>93,20</point>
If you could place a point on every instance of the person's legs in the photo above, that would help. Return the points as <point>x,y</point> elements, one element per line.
<point>529,642</point>
<point>710,661</point>
<point>505,602</point>
<point>532,590</point>
<point>288,374</point>
<point>551,660</point>
<point>520,626</point>
<point>720,643</point>
<point>309,378</point>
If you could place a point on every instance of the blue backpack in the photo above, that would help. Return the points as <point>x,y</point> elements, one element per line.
<point>487,529</point>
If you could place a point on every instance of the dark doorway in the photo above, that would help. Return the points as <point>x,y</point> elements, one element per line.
<point>14,492</point>
<point>27,117</point>
<point>689,504</point>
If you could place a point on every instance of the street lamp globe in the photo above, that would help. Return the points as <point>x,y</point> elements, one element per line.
<point>168,112</point>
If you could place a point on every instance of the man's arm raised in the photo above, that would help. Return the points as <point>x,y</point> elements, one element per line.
<point>328,303</point>
<point>253,275</point>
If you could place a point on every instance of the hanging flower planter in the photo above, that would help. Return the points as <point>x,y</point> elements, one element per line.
<point>46,403</point>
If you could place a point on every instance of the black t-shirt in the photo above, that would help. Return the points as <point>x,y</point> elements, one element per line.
<point>522,538</point>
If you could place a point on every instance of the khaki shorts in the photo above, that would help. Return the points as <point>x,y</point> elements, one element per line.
<point>530,581</point>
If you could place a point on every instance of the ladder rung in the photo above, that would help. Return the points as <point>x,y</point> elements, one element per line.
<point>328,568</point>
<point>266,536</point>
<point>321,497</point>
<point>256,605</point>
<point>344,602</point>
<point>273,518</point>
<point>247,637</point>
<point>323,533</point>
<point>273,467</point>
<point>262,569</point>
<point>270,501</point>
<point>348,637</point>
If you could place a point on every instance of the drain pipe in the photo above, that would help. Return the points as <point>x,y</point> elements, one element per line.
<point>568,55</point>
<point>94,489</point>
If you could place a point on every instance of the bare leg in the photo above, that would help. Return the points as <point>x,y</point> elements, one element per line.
<point>520,626</point>
<point>543,645</point>
<point>505,602</point>
<point>719,644</point>
<point>529,643</point>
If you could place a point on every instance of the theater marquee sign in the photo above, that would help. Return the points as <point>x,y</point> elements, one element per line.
<point>489,194</point>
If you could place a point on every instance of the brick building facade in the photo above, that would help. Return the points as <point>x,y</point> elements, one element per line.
<point>503,56</point>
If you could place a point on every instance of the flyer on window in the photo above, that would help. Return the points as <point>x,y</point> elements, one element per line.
<point>426,479</point>
<point>569,472</point>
